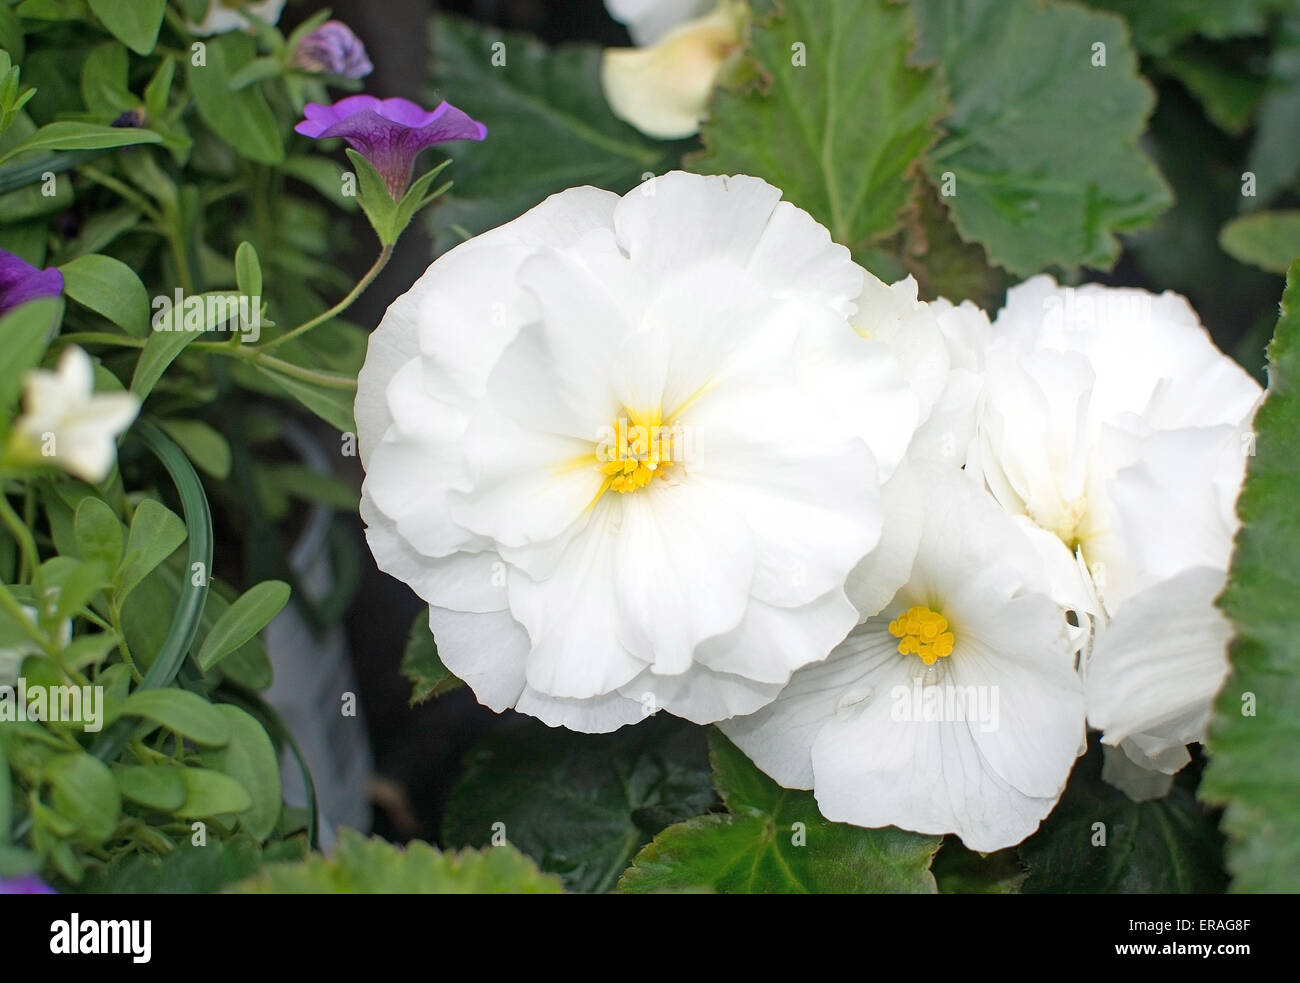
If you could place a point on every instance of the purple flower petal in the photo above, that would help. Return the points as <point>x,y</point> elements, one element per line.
<point>21,282</point>
<point>390,133</point>
<point>27,884</point>
<point>333,48</point>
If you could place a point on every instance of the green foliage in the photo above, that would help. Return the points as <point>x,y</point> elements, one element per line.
<point>1099,841</point>
<point>837,117</point>
<point>1042,150</point>
<point>579,805</point>
<point>372,866</point>
<point>555,123</point>
<point>1269,240</point>
<point>421,665</point>
<point>1254,769</point>
<point>773,840</point>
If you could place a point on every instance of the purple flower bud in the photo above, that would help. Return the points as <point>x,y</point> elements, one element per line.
<point>21,282</point>
<point>27,884</point>
<point>333,49</point>
<point>390,133</point>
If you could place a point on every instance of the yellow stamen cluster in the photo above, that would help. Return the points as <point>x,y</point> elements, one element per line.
<point>642,448</point>
<point>922,632</point>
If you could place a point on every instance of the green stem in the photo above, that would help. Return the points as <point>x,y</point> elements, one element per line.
<point>123,190</point>
<point>327,379</point>
<point>384,256</point>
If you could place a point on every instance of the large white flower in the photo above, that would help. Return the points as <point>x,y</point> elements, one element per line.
<point>507,413</point>
<point>664,89</point>
<point>1115,431</point>
<point>65,423</point>
<point>958,708</point>
<point>226,15</point>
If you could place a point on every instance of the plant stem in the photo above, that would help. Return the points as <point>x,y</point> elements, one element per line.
<point>384,256</point>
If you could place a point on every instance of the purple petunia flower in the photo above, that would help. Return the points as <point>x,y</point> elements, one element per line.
<point>333,48</point>
<point>21,282</point>
<point>390,133</point>
<point>27,884</point>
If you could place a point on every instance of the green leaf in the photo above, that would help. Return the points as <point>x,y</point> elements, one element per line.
<point>159,88</point>
<point>202,444</point>
<point>248,270</point>
<point>109,287</point>
<point>376,200</point>
<point>157,787</point>
<point>332,405</point>
<point>210,793</point>
<point>961,871</point>
<point>554,105</point>
<point>156,533</point>
<point>943,265</point>
<point>250,759</point>
<point>26,331</point>
<point>186,713</point>
<point>159,351</point>
<point>1269,240</point>
<point>1167,846</point>
<point>188,869</point>
<point>242,119</point>
<point>421,665</point>
<point>840,133</point>
<point>104,80</point>
<point>373,866</point>
<point>67,135</point>
<point>244,618</point>
<point>134,23</point>
<point>1161,25</point>
<point>754,847</point>
<point>579,805</point>
<point>1040,144</point>
<point>1274,156</point>
<point>82,791</point>
<point>1253,768</point>
<point>88,650</point>
<point>1228,96</point>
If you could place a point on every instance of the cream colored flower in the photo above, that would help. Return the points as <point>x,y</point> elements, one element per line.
<point>663,90</point>
<point>65,423</point>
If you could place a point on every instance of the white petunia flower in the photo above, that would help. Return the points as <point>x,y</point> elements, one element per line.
<point>664,89</point>
<point>1115,432</point>
<point>225,15</point>
<point>649,20</point>
<point>958,708</point>
<point>65,423</point>
<point>629,450</point>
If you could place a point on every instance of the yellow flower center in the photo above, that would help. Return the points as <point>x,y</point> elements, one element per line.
<point>921,631</point>
<point>637,448</point>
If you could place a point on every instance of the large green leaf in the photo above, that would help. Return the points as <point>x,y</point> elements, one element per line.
<point>1167,846</point>
<point>109,287</point>
<point>1254,768</point>
<point>373,866</point>
<point>249,757</point>
<point>580,805</point>
<point>774,841</point>
<point>188,869</point>
<point>549,127</point>
<point>1041,143</point>
<point>837,118</point>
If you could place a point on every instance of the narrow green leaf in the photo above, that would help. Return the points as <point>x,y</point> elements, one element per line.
<point>67,135</point>
<point>247,616</point>
<point>332,405</point>
<point>183,712</point>
<point>202,444</point>
<point>156,532</point>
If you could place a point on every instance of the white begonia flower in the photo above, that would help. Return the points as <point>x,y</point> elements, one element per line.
<point>226,15</point>
<point>570,573</point>
<point>664,89</point>
<point>65,423</point>
<point>1115,431</point>
<point>957,709</point>
<point>649,20</point>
